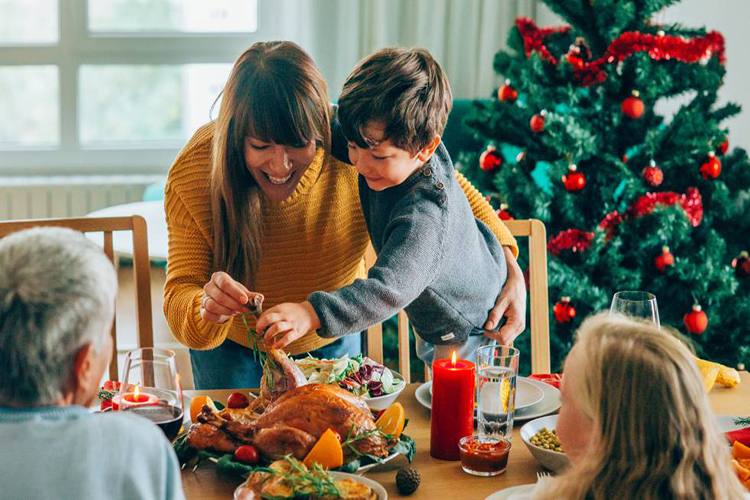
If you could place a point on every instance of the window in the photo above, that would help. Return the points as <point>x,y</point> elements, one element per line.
<point>88,86</point>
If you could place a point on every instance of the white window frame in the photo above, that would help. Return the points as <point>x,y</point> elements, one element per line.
<point>77,47</point>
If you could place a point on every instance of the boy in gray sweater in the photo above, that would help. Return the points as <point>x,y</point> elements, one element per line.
<point>435,260</point>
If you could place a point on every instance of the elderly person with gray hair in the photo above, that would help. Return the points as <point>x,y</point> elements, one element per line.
<point>57,294</point>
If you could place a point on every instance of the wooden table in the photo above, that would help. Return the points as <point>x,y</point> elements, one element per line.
<point>439,479</point>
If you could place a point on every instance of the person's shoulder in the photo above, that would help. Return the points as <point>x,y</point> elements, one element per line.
<point>123,426</point>
<point>193,160</point>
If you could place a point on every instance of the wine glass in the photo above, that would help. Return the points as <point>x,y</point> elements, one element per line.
<point>151,388</point>
<point>636,304</point>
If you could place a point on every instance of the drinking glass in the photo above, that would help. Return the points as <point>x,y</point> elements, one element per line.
<point>151,388</point>
<point>637,305</point>
<point>497,370</point>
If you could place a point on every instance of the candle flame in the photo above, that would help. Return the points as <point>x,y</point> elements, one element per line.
<point>453,358</point>
<point>136,392</point>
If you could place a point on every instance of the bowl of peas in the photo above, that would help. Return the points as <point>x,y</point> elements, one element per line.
<point>540,438</point>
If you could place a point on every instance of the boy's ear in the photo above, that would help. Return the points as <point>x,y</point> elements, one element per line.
<point>425,153</point>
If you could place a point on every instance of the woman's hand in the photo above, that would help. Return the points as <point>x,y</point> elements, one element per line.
<point>285,323</point>
<point>223,298</point>
<point>511,303</point>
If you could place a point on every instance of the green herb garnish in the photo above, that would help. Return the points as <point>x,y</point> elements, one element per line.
<point>742,421</point>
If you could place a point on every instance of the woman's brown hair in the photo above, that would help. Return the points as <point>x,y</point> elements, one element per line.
<point>275,93</point>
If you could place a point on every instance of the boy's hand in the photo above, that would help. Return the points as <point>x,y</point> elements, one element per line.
<point>511,303</point>
<point>287,322</point>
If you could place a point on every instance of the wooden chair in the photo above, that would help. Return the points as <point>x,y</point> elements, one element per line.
<point>538,304</point>
<point>141,264</point>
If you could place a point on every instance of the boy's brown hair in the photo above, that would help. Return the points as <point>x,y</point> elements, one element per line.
<point>405,89</point>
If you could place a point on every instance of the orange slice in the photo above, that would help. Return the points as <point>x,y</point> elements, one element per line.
<point>740,451</point>
<point>197,404</point>
<point>742,472</point>
<point>392,421</point>
<point>327,452</point>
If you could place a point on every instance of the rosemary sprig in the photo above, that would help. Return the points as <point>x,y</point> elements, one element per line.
<point>357,435</point>
<point>260,356</point>
<point>304,480</point>
<point>742,421</point>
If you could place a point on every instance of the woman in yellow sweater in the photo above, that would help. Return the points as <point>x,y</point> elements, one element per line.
<point>255,201</point>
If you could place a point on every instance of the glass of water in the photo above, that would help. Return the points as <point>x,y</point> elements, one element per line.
<point>497,370</point>
<point>636,304</point>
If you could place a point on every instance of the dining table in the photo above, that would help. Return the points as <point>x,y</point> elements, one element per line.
<point>439,478</point>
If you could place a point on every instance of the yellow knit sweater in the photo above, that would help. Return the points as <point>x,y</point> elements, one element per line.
<point>315,240</point>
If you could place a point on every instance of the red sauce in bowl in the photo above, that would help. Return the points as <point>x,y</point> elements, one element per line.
<point>484,455</point>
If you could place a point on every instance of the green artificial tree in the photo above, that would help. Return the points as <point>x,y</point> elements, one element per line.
<point>632,199</point>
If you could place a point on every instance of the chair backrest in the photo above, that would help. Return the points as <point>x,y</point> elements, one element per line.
<point>538,304</point>
<point>141,265</point>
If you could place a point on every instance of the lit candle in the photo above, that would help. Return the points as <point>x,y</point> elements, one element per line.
<point>135,398</point>
<point>452,406</point>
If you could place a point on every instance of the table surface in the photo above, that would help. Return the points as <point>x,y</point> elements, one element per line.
<point>439,478</point>
<point>156,228</point>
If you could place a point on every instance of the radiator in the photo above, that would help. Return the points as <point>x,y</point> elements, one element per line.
<point>68,196</point>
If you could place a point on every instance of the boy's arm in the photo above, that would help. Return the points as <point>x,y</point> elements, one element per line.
<point>406,264</point>
<point>483,211</point>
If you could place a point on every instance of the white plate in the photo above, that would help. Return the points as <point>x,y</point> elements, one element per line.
<point>367,467</point>
<point>508,492</point>
<point>726,423</point>
<point>338,476</point>
<point>549,401</point>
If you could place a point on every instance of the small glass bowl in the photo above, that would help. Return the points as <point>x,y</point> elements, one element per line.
<point>484,455</point>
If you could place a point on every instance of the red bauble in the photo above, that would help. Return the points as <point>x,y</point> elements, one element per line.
<point>507,93</point>
<point>741,265</point>
<point>537,122</point>
<point>563,311</point>
<point>490,159</point>
<point>574,181</point>
<point>723,146</point>
<point>664,259</point>
<point>633,107</point>
<point>696,320</point>
<point>503,212</point>
<point>652,175</point>
<point>624,158</point>
<point>712,167</point>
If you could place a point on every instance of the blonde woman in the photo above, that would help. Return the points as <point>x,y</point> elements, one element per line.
<point>636,421</point>
<point>257,202</point>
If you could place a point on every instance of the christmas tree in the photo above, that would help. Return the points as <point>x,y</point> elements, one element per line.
<point>633,199</point>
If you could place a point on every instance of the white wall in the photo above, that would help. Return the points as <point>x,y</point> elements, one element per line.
<point>730,18</point>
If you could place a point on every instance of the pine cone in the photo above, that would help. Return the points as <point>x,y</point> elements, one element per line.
<point>407,481</point>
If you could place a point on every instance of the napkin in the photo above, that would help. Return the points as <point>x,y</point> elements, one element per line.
<point>552,379</point>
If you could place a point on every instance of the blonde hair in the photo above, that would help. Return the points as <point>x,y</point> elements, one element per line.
<point>275,93</point>
<point>654,434</point>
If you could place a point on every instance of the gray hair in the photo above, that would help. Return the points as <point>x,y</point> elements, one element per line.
<point>57,293</point>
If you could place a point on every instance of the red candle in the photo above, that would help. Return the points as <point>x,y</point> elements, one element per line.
<point>452,406</point>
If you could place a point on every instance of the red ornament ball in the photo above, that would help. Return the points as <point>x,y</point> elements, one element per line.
<point>633,107</point>
<point>664,259</point>
<point>723,146</point>
<point>563,311</point>
<point>574,181</point>
<point>503,212</point>
<point>712,167</point>
<point>507,93</point>
<point>696,320</point>
<point>490,159</point>
<point>537,122</point>
<point>741,265</point>
<point>652,175</point>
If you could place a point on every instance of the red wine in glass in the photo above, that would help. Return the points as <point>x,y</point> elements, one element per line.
<point>166,416</point>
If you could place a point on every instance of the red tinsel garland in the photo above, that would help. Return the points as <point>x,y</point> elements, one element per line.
<point>572,239</point>
<point>624,46</point>
<point>691,202</point>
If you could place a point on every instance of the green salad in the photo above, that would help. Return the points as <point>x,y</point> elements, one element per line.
<point>359,375</point>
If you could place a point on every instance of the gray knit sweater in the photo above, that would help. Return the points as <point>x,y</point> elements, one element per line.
<point>435,260</point>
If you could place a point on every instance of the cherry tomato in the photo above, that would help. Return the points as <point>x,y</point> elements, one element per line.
<point>247,454</point>
<point>237,400</point>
